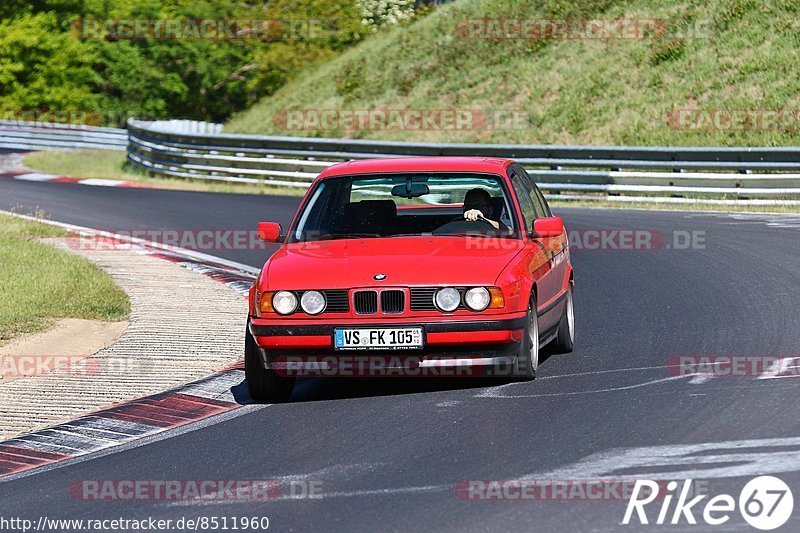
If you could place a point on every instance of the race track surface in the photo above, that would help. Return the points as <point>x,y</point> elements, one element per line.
<point>387,455</point>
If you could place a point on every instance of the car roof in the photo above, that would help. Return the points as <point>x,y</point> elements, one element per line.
<point>489,165</point>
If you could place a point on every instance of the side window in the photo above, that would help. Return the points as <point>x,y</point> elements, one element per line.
<point>539,203</point>
<point>525,203</point>
<point>542,202</point>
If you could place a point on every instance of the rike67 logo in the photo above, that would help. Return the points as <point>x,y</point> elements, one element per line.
<point>765,503</point>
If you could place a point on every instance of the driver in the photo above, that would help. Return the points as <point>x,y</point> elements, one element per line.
<point>478,206</point>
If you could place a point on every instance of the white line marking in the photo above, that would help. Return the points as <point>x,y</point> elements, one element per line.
<point>327,495</point>
<point>41,446</point>
<point>735,458</point>
<point>82,440</point>
<point>106,434</point>
<point>494,392</point>
<point>610,371</point>
<point>49,436</point>
<point>699,379</point>
<point>101,182</point>
<point>123,427</point>
<point>35,176</point>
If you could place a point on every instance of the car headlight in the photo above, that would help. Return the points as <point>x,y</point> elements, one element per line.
<point>477,299</point>
<point>447,300</point>
<point>312,302</point>
<point>284,302</point>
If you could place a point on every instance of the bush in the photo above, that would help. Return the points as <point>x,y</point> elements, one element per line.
<point>379,13</point>
<point>46,65</point>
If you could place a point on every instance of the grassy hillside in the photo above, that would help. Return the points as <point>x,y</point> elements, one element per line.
<point>716,54</point>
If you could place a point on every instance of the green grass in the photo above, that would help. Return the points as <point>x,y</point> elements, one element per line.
<point>616,92</point>
<point>39,283</point>
<point>110,164</point>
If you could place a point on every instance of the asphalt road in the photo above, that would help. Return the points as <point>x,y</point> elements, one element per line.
<point>388,454</point>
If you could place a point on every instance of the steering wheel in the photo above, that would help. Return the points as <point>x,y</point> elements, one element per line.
<point>463,226</point>
<point>484,220</point>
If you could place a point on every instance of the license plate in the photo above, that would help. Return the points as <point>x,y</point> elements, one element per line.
<point>377,338</point>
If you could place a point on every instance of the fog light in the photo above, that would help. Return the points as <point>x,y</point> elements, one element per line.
<point>447,300</point>
<point>477,299</point>
<point>284,302</point>
<point>312,302</point>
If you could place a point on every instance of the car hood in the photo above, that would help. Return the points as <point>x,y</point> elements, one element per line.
<point>341,264</point>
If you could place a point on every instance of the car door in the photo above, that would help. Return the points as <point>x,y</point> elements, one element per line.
<point>540,260</point>
<point>558,247</point>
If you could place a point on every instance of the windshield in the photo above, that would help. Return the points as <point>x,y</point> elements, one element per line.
<point>396,205</point>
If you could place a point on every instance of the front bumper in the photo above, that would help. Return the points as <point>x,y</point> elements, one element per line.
<point>294,335</point>
<point>484,344</point>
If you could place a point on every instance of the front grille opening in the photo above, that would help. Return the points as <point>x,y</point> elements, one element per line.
<point>393,302</point>
<point>336,301</point>
<point>422,299</point>
<point>366,302</point>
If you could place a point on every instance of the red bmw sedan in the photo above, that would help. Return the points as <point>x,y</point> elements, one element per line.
<point>426,262</point>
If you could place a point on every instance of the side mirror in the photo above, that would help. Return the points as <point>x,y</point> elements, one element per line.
<point>269,231</point>
<point>548,227</point>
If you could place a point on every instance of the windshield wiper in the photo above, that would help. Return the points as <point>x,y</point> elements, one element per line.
<point>329,236</point>
<point>487,235</point>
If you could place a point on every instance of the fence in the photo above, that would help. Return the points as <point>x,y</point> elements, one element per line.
<point>16,135</point>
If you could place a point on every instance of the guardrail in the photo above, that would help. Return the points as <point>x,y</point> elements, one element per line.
<point>16,135</point>
<point>196,150</point>
<point>674,174</point>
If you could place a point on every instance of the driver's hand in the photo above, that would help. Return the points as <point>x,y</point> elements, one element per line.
<point>473,214</point>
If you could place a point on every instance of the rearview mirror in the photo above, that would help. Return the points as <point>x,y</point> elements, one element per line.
<point>548,227</point>
<point>269,231</point>
<point>410,190</point>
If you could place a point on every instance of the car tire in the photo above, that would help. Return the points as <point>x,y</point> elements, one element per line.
<point>565,339</point>
<point>264,385</point>
<point>528,356</point>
